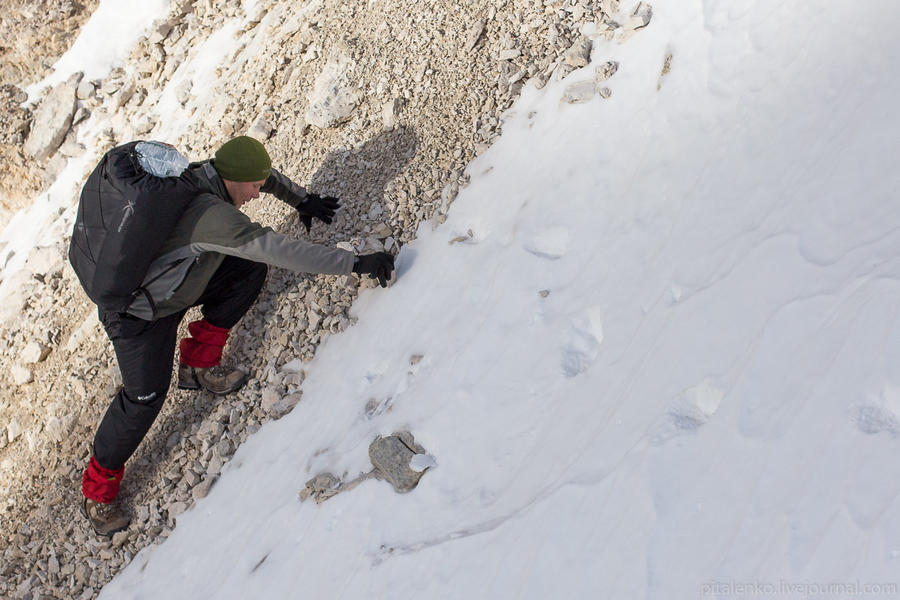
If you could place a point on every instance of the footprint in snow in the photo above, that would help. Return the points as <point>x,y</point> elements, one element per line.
<point>881,414</point>
<point>691,410</point>
<point>551,243</point>
<point>582,342</point>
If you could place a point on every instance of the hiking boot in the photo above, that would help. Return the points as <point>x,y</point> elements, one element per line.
<point>105,519</point>
<point>218,379</point>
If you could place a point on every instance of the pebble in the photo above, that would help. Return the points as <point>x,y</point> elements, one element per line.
<point>580,92</point>
<point>579,54</point>
<point>202,489</point>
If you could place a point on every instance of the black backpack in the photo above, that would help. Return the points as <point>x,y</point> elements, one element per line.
<point>124,216</point>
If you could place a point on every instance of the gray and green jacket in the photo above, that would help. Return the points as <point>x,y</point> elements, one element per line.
<point>211,228</point>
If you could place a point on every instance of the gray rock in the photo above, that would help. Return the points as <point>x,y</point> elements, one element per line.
<point>202,489</point>
<point>333,97</point>
<point>215,465</point>
<point>53,119</point>
<point>121,97</point>
<point>33,353</point>
<point>191,478</point>
<point>262,127</point>
<point>579,54</point>
<point>321,487</point>
<point>85,89</point>
<point>269,397</point>
<point>389,113</point>
<point>641,16</point>
<point>81,114</point>
<point>474,34</point>
<point>580,92</point>
<point>509,54</point>
<point>21,375</point>
<point>120,538</point>
<point>391,455</point>
<point>605,71</point>
<point>175,509</point>
<point>284,405</point>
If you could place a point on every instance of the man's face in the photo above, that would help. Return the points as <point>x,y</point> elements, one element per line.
<point>243,191</point>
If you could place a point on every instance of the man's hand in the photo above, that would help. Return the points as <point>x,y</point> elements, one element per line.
<point>317,207</point>
<point>378,265</point>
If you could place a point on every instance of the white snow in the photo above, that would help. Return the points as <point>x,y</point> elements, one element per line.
<point>105,41</point>
<point>663,361</point>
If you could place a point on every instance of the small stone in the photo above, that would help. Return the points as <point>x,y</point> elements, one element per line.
<point>55,429</point>
<point>201,490</point>
<point>120,538</point>
<point>211,429</point>
<point>53,565</point>
<point>81,573</point>
<point>580,92</point>
<point>284,405</point>
<point>641,16</point>
<point>605,71</point>
<point>142,513</point>
<point>544,293</point>
<point>269,397</point>
<point>85,89</point>
<point>604,92</point>
<point>262,128</point>
<point>175,509</point>
<point>321,487</point>
<point>21,375</point>
<point>509,54</point>
<point>389,113</point>
<point>191,478</point>
<point>579,54</point>
<point>474,35</point>
<point>382,231</point>
<point>225,447</point>
<point>215,465</point>
<point>33,353</point>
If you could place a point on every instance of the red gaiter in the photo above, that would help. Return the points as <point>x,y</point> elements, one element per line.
<point>99,484</point>
<point>204,348</point>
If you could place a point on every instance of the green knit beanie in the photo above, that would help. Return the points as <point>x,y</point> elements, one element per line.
<point>243,159</point>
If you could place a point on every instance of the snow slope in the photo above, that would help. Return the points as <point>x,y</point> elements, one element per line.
<point>663,361</point>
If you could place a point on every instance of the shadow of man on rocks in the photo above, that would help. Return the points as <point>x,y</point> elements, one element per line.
<point>358,177</point>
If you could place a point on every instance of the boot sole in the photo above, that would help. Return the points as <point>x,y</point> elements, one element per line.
<point>197,386</point>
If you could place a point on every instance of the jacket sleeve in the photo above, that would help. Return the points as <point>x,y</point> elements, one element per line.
<point>279,185</point>
<point>226,230</point>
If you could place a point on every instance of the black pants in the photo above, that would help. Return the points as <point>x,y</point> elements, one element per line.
<point>145,351</point>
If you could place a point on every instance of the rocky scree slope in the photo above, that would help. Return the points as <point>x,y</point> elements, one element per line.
<point>33,34</point>
<point>381,105</point>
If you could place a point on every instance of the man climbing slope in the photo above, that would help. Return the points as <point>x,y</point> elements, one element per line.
<point>215,258</point>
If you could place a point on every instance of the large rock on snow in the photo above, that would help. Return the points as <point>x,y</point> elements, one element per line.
<point>391,457</point>
<point>53,119</point>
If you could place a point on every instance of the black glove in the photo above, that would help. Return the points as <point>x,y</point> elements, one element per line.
<point>378,265</point>
<point>317,207</point>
